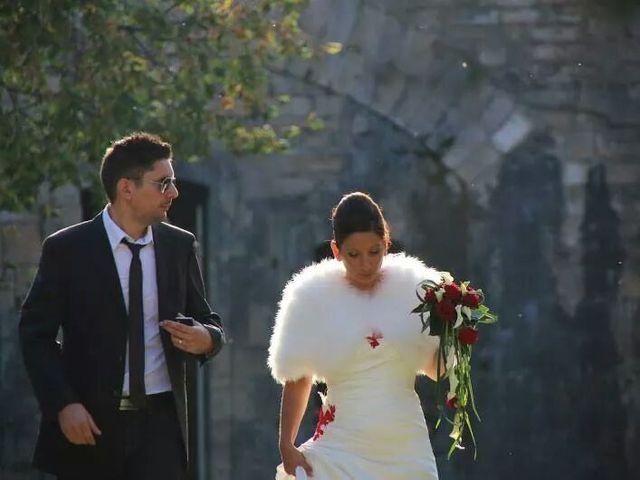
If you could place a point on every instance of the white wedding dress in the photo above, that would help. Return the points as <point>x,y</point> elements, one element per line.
<point>378,431</point>
<point>368,349</point>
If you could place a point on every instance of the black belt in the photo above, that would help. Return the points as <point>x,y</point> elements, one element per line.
<point>151,401</point>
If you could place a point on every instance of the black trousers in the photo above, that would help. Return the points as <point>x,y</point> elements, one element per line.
<point>149,443</point>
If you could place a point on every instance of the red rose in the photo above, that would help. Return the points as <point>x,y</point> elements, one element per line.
<point>452,403</point>
<point>445,310</point>
<point>430,296</point>
<point>452,292</point>
<point>471,299</point>
<point>468,335</point>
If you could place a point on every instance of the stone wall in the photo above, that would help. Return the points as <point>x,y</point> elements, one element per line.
<point>20,239</point>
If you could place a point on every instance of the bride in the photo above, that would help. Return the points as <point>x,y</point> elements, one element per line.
<point>346,321</point>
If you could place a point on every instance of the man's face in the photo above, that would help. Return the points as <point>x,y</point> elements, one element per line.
<point>146,200</point>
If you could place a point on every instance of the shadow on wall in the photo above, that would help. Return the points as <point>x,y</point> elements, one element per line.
<point>602,418</point>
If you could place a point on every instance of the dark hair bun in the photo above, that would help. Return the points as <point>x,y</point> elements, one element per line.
<point>357,212</point>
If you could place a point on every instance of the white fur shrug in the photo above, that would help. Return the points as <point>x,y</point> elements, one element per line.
<point>321,318</point>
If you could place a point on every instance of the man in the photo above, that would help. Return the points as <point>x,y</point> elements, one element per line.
<point>113,393</point>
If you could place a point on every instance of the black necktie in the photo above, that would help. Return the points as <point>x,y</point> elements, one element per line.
<point>136,327</point>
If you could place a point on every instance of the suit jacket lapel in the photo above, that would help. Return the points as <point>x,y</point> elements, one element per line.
<point>166,311</point>
<point>160,248</point>
<point>166,308</point>
<point>105,266</point>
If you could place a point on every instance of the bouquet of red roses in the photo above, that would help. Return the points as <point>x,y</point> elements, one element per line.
<point>453,311</point>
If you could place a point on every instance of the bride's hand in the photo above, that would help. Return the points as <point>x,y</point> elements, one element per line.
<point>291,458</point>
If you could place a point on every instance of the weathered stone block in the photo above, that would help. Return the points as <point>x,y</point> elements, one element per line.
<point>260,185</point>
<point>574,173</point>
<point>560,97</point>
<point>366,35</point>
<point>329,105</point>
<point>20,243</point>
<point>363,89</point>
<point>391,38</point>
<point>66,208</point>
<point>492,55</point>
<point>577,146</point>
<point>497,112</point>
<point>388,91</point>
<point>475,18</point>
<point>298,106</point>
<point>558,120</point>
<point>547,52</point>
<point>342,19</point>
<point>469,141</point>
<point>623,174</point>
<point>426,19</point>
<point>522,15</point>
<point>344,73</point>
<point>24,276</point>
<point>512,133</point>
<point>480,167</point>
<point>513,3</point>
<point>316,18</point>
<point>260,325</point>
<point>299,68</point>
<point>7,307</point>
<point>571,14</point>
<point>414,57</point>
<point>556,34</point>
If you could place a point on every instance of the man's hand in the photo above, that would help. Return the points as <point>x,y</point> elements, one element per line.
<point>77,424</point>
<point>192,339</point>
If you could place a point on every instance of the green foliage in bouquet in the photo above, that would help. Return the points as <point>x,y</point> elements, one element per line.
<point>453,312</point>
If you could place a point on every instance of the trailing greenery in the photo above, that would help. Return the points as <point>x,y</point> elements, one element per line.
<point>76,75</point>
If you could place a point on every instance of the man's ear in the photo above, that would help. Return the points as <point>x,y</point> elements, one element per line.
<point>335,250</point>
<point>124,187</point>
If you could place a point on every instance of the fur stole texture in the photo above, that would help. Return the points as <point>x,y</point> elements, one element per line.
<point>322,318</point>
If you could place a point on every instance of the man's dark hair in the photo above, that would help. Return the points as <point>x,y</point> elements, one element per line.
<point>131,157</point>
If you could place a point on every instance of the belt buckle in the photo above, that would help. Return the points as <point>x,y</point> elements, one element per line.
<point>126,405</point>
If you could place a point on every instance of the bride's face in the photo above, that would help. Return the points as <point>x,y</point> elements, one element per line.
<point>362,254</point>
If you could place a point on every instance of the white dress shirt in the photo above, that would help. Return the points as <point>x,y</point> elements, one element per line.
<point>156,375</point>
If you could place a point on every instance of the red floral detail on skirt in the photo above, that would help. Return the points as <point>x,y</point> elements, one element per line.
<point>325,417</point>
<point>373,339</point>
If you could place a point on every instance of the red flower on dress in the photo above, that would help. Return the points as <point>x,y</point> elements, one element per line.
<point>373,339</point>
<point>325,417</point>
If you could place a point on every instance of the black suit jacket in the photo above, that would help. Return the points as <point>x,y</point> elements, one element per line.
<point>77,288</point>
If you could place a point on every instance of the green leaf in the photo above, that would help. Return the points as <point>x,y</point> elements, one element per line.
<point>429,284</point>
<point>314,122</point>
<point>332,48</point>
<point>437,325</point>
<point>418,309</point>
<point>467,420</point>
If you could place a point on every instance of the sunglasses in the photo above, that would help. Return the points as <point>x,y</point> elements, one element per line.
<point>163,184</point>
